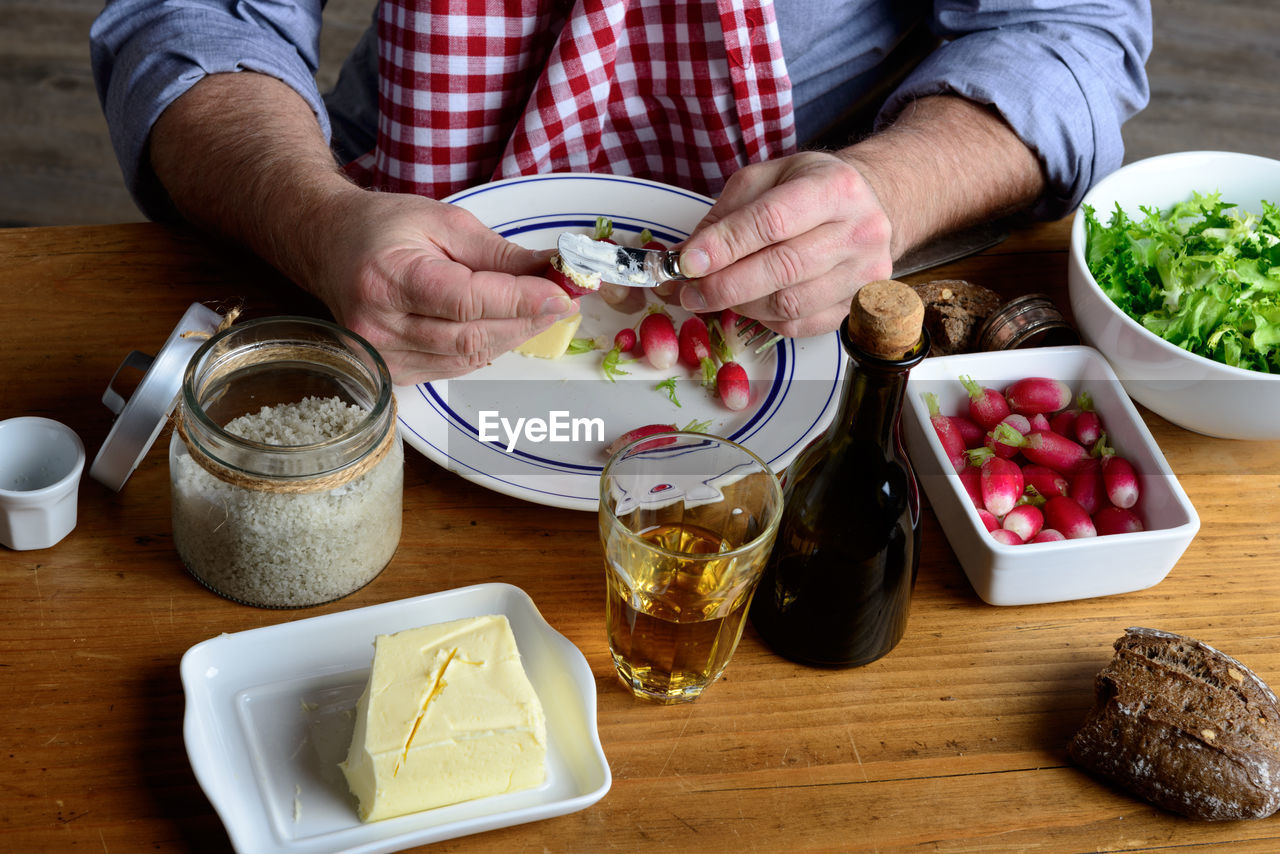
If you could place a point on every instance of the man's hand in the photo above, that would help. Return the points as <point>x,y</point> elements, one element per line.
<point>435,291</point>
<point>790,241</point>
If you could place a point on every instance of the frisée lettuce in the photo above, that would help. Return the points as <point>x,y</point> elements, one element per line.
<point>1203,275</point>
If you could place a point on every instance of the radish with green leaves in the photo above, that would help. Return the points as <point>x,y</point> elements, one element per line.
<point>948,434</point>
<point>987,406</point>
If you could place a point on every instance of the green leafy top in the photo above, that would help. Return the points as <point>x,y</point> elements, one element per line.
<point>1203,275</point>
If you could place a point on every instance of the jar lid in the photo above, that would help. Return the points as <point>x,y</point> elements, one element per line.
<point>141,417</point>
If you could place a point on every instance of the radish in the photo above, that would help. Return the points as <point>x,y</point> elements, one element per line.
<point>988,519</point>
<point>1046,448</point>
<point>1116,520</point>
<point>971,480</point>
<point>1065,515</point>
<point>658,339</point>
<point>1120,481</point>
<point>604,230</point>
<point>1088,428</point>
<point>653,429</point>
<point>1044,480</point>
<point>986,405</point>
<point>732,385</point>
<point>647,241</point>
<point>555,272</point>
<point>1064,423</point>
<point>1033,395</point>
<point>952,442</point>
<point>1001,447</point>
<point>1001,483</point>
<point>1025,520</point>
<point>1009,538</point>
<point>624,341</point>
<point>1086,487</point>
<point>969,431</point>
<point>1047,535</point>
<point>695,342</point>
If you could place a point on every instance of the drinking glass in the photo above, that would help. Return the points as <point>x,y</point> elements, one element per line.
<point>687,521</point>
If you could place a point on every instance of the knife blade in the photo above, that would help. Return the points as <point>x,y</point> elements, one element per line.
<point>951,247</point>
<point>621,265</point>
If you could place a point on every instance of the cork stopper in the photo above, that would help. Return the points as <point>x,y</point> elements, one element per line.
<point>885,319</point>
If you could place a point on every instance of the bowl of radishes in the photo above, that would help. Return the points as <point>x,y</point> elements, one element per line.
<point>1043,476</point>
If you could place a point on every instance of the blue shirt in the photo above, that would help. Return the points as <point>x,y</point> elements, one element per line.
<point>1064,75</point>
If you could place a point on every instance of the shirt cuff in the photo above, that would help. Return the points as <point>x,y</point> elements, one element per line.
<point>153,69</point>
<point>1069,114</point>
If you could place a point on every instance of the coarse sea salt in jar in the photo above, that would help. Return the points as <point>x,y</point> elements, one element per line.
<point>286,467</point>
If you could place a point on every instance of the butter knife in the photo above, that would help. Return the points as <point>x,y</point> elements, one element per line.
<point>621,265</point>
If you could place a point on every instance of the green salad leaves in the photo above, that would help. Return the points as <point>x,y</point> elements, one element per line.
<point>1203,275</point>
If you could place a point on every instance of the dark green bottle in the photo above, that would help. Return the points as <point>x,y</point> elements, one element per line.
<point>837,589</point>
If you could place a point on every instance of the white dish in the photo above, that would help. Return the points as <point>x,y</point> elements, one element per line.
<point>794,385</point>
<point>268,717</point>
<point>1060,571</point>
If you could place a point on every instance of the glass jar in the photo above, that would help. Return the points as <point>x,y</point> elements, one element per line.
<point>286,468</point>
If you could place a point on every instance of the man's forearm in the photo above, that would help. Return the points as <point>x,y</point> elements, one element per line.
<point>242,155</point>
<point>946,163</point>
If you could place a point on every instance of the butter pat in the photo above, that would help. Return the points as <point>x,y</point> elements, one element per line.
<point>448,715</point>
<point>551,342</point>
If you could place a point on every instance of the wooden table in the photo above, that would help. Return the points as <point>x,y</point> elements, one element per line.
<point>954,742</point>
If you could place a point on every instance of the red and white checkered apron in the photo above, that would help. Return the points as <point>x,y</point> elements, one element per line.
<point>476,90</point>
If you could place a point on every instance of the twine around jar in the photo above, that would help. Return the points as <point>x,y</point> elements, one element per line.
<point>291,486</point>
<point>269,483</point>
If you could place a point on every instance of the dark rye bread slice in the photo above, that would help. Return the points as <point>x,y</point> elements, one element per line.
<point>954,310</point>
<point>1185,727</point>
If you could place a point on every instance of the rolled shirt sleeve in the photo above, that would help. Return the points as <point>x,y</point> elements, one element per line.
<point>146,53</point>
<point>1065,76</point>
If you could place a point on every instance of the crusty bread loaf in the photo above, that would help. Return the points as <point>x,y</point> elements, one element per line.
<point>954,309</point>
<point>1185,727</point>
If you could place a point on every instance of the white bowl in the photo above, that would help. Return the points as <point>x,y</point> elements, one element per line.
<point>1057,571</point>
<point>1191,391</point>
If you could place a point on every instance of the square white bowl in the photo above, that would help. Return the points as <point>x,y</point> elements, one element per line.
<point>1057,571</point>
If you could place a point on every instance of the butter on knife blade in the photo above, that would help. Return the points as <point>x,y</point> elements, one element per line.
<point>621,265</point>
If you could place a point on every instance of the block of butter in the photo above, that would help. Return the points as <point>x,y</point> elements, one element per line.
<point>551,342</point>
<point>448,715</point>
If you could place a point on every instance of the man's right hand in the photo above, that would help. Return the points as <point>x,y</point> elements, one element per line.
<point>434,290</point>
<point>438,293</point>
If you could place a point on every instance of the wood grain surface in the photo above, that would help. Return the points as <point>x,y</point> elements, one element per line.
<point>954,742</point>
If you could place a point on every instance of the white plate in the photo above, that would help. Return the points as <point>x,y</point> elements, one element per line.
<point>794,385</point>
<point>269,716</point>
